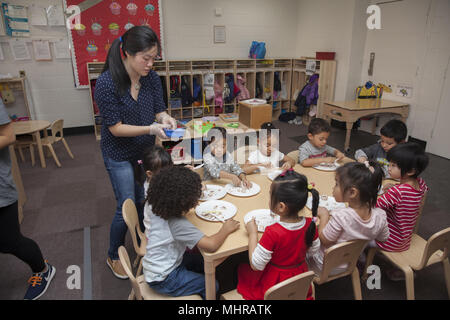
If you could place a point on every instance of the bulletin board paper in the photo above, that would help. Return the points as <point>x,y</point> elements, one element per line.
<point>19,50</point>
<point>16,20</point>
<point>101,22</point>
<point>41,50</point>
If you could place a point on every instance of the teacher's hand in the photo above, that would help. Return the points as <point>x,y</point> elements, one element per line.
<point>157,129</point>
<point>166,119</point>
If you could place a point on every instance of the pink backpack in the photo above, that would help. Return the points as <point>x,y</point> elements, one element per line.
<point>243,94</point>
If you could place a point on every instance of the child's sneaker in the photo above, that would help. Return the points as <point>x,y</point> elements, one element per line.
<point>117,268</point>
<point>39,283</point>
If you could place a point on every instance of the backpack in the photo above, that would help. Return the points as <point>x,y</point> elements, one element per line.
<point>175,87</point>
<point>369,91</point>
<point>287,116</point>
<point>257,50</point>
<point>186,97</point>
<point>196,90</point>
<point>244,94</point>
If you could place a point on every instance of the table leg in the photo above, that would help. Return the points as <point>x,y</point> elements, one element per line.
<point>40,150</point>
<point>349,126</point>
<point>374,124</point>
<point>210,280</point>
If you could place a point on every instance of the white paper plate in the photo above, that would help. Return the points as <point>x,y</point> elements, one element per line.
<point>263,218</point>
<point>242,192</point>
<point>274,173</point>
<point>213,192</point>
<point>327,166</point>
<point>329,203</point>
<point>222,209</point>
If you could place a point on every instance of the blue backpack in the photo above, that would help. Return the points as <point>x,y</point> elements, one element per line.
<point>257,50</point>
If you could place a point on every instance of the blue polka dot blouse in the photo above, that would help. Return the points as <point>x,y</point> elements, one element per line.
<point>115,108</point>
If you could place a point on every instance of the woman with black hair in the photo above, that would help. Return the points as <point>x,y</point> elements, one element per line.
<point>130,99</point>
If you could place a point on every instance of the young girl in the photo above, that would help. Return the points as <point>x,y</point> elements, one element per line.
<point>357,185</point>
<point>402,202</point>
<point>172,192</point>
<point>281,252</point>
<point>219,163</point>
<point>267,155</point>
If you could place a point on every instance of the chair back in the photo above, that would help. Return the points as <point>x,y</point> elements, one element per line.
<point>57,129</point>
<point>438,241</point>
<point>294,155</point>
<point>339,254</point>
<point>125,260</point>
<point>295,288</point>
<point>422,203</point>
<point>130,215</point>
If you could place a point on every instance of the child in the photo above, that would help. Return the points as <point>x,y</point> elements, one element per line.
<point>392,133</point>
<point>172,192</point>
<point>219,163</point>
<point>402,202</point>
<point>281,252</point>
<point>267,155</point>
<point>357,185</point>
<point>315,150</point>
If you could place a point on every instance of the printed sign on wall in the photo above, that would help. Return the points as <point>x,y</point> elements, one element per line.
<point>93,25</point>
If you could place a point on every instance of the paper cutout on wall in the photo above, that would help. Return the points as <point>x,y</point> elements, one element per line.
<point>100,23</point>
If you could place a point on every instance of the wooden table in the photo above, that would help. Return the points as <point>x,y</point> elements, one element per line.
<point>238,240</point>
<point>351,111</point>
<point>33,127</point>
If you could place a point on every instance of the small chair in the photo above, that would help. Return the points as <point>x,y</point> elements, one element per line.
<point>141,290</point>
<point>131,218</point>
<point>420,254</point>
<point>57,135</point>
<point>294,155</point>
<point>343,253</point>
<point>295,288</point>
<point>25,141</point>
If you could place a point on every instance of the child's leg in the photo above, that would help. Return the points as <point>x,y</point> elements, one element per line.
<point>182,282</point>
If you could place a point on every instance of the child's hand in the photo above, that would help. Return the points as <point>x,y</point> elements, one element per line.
<point>251,226</point>
<point>246,184</point>
<point>362,159</point>
<point>286,166</point>
<point>323,213</point>
<point>189,167</point>
<point>267,165</point>
<point>329,159</point>
<point>236,181</point>
<point>203,187</point>
<point>230,226</point>
<point>340,155</point>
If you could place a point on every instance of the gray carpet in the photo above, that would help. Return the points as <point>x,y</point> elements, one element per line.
<point>63,201</point>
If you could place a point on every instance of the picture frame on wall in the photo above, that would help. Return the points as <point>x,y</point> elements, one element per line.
<point>219,34</point>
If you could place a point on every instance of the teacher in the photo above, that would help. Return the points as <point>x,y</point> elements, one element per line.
<point>130,99</point>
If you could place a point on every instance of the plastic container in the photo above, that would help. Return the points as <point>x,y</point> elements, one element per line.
<point>176,134</point>
<point>325,55</point>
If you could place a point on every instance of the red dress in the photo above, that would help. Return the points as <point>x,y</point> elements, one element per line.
<point>288,259</point>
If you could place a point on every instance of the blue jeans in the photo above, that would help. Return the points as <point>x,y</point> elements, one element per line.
<point>121,174</point>
<point>185,280</point>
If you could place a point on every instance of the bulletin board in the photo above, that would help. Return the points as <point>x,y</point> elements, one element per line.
<point>100,23</point>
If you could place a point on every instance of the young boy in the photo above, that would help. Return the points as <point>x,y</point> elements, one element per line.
<point>315,150</point>
<point>392,133</point>
<point>267,155</point>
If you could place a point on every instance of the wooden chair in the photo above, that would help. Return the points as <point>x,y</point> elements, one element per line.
<point>57,135</point>
<point>295,288</point>
<point>25,141</point>
<point>342,253</point>
<point>140,288</point>
<point>420,254</point>
<point>294,155</point>
<point>131,218</point>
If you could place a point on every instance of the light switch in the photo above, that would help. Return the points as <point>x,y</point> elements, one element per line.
<point>219,12</point>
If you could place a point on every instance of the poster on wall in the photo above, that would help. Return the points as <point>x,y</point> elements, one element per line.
<point>93,25</point>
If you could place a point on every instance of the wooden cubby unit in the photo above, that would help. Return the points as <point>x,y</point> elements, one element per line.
<point>292,72</point>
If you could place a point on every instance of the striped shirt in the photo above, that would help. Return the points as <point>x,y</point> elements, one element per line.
<point>402,204</point>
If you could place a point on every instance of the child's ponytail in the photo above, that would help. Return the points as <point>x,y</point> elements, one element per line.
<point>377,179</point>
<point>311,232</point>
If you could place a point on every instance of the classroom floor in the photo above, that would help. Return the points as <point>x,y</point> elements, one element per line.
<point>69,211</point>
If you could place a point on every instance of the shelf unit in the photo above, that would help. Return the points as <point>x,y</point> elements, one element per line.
<point>16,107</point>
<point>259,75</point>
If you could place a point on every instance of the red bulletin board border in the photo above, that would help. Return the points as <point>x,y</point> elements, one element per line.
<point>102,21</point>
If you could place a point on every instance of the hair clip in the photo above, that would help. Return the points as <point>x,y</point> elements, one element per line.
<point>139,162</point>
<point>120,39</point>
<point>315,219</point>
<point>285,171</point>
<point>310,186</point>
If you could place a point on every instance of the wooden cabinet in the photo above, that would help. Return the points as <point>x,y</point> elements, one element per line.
<point>261,75</point>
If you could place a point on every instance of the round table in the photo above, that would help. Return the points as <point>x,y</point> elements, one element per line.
<point>33,127</point>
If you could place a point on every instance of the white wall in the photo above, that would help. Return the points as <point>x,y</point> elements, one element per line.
<point>188,30</point>
<point>412,48</point>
